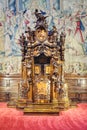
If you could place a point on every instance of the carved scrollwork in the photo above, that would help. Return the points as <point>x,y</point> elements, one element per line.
<point>23,89</point>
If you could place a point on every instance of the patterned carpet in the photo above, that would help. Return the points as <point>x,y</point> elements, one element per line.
<point>72,119</point>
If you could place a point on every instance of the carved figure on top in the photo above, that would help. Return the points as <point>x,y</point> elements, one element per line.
<point>30,35</point>
<point>41,19</point>
<point>62,38</point>
<point>53,35</point>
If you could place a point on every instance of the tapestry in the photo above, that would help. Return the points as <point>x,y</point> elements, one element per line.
<point>67,15</point>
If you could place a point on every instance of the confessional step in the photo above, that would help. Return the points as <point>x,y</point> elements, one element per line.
<point>52,107</point>
<point>41,108</point>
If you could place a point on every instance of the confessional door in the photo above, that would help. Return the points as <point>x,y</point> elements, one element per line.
<point>42,84</point>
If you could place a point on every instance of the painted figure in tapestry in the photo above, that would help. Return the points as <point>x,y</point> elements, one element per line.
<point>66,15</point>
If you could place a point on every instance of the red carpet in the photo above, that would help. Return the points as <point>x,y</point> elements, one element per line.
<point>72,119</point>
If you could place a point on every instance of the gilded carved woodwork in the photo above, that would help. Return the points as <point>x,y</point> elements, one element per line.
<point>42,64</point>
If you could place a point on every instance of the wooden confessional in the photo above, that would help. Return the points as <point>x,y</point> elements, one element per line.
<point>42,88</point>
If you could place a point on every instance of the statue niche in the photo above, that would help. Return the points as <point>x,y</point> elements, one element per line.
<point>42,88</point>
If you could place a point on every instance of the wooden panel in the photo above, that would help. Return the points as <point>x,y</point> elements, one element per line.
<point>9,87</point>
<point>77,88</point>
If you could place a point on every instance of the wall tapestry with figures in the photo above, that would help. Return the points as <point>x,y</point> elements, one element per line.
<point>67,15</point>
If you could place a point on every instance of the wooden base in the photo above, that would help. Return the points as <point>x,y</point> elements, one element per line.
<point>39,111</point>
<point>41,108</point>
<point>52,107</point>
